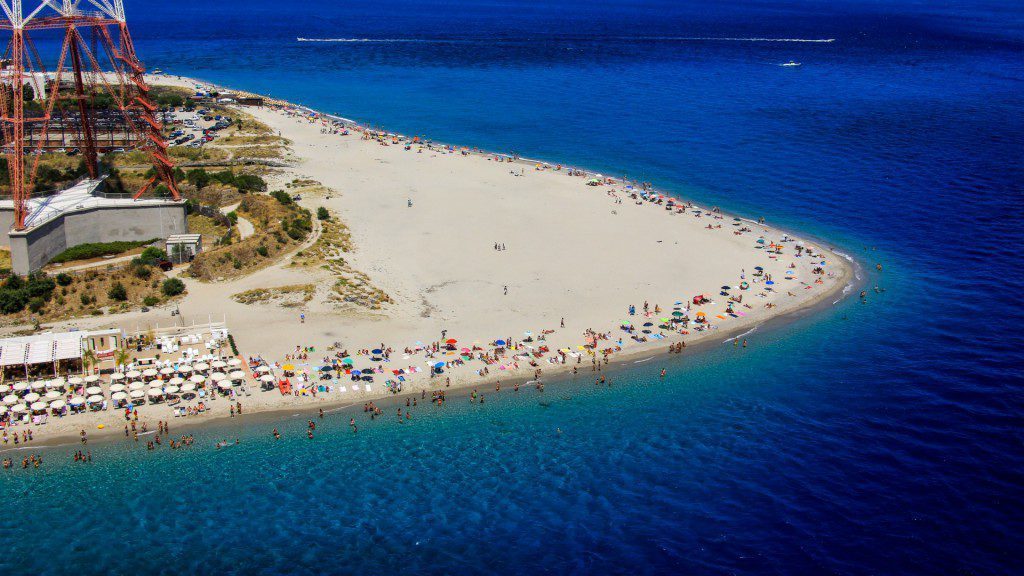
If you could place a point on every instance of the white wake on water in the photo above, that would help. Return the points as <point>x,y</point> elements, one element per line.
<point>598,39</point>
<point>738,336</point>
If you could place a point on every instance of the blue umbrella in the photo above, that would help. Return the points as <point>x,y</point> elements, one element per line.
<point>377,351</point>
<point>499,342</point>
<point>770,282</point>
<point>356,372</point>
<point>439,365</point>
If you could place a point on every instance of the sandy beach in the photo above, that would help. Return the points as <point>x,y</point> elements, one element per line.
<point>477,249</point>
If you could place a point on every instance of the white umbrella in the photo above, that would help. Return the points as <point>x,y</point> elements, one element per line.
<point>57,404</point>
<point>188,387</point>
<point>218,364</point>
<point>185,368</point>
<point>3,409</point>
<point>155,392</point>
<point>31,397</point>
<point>93,378</point>
<point>149,372</point>
<point>58,383</point>
<point>94,399</point>
<point>76,401</point>
<point>133,374</point>
<point>137,394</point>
<point>176,381</point>
<point>117,388</point>
<point>234,362</point>
<point>202,366</point>
<point>197,379</point>
<point>19,408</point>
<point>10,399</point>
<point>167,371</point>
<point>5,389</point>
<point>19,386</point>
<point>93,390</point>
<point>37,406</point>
<point>39,385</point>
<point>237,375</point>
<point>263,369</point>
<point>224,385</point>
<point>52,395</point>
<point>171,390</point>
<point>267,378</point>
<point>116,376</point>
<point>217,376</point>
<point>118,395</point>
<point>136,386</point>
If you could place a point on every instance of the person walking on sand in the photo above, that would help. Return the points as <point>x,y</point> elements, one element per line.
<point>506,290</point>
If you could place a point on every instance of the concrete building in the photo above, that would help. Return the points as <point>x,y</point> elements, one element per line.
<point>183,248</point>
<point>84,214</point>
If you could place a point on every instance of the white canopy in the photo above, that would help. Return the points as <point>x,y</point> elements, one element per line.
<point>263,369</point>
<point>218,364</point>
<point>19,408</point>
<point>76,401</point>
<point>136,386</point>
<point>267,378</point>
<point>94,399</point>
<point>116,376</point>
<point>39,385</point>
<point>237,375</point>
<point>19,386</point>
<point>118,395</point>
<point>149,372</point>
<point>167,371</point>
<point>31,397</point>
<point>224,385</point>
<point>155,392</point>
<point>57,404</point>
<point>93,390</point>
<point>37,406</point>
<point>5,389</point>
<point>197,379</point>
<point>185,368</point>
<point>117,388</point>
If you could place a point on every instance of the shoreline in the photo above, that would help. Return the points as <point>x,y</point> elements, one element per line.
<point>842,284</point>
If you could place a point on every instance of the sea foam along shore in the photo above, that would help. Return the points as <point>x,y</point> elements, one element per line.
<point>574,251</point>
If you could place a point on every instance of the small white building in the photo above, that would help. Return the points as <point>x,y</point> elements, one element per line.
<point>184,247</point>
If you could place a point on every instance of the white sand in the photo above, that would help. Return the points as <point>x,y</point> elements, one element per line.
<point>572,253</point>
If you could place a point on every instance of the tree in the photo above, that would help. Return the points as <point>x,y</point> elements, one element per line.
<point>153,254</point>
<point>322,214</point>
<point>117,292</point>
<point>173,287</point>
<point>198,178</point>
<point>121,357</point>
<point>89,360</point>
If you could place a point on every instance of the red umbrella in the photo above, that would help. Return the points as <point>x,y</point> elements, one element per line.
<point>451,341</point>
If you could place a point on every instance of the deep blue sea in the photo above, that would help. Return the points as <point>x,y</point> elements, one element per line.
<point>875,438</point>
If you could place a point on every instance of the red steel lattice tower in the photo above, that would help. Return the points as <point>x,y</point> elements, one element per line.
<point>110,68</point>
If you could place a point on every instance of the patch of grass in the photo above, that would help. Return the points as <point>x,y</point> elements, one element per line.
<point>97,250</point>
<point>286,296</point>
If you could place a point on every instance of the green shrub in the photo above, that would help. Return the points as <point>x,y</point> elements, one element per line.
<point>153,254</point>
<point>262,251</point>
<point>142,271</point>
<point>322,214</point>
<point>117,292</point>
<point>96,250</point>
<point>250,183</point>
<point>282,197</point>
<point>64,279</point>
<point>173,287</point>
<point>150,300</point>
<point>36,304</point>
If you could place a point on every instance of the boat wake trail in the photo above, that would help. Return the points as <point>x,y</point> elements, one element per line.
<point>592,39</point>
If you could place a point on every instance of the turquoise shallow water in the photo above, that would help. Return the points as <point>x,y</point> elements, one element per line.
<point>871,438</point>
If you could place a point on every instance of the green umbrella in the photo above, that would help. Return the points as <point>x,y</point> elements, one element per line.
<point>346,361</point>
<point>677,314</point>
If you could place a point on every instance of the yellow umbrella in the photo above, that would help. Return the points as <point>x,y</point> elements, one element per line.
<point>288,367</point>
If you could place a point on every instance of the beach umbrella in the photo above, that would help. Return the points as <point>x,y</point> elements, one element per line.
<point>376,351</point>
<point>264,369</point>
<point>239,375</point>
<point>73,381</point>
<point>117,388</point>
<point>116,376</point>
<point>171,390</point>
<point>678,314</point>
<point>646,324</point>
<point>90,379</point>
<point>356,372</point>
<point>217,376</point>
<point>726,287</point>
<point>31,397</point>
<point>76,401</point>
<point>3,409</point>
<point>155,393</point>
<point>185,368</point>
<point>52,395</point>
<point>188,387</point>
<point>234,362</point>
<point>38,406</point>
<point>93,390</point>
<point>666,320</point>
<point>347,361</point>
<point>132,374</point>
<point>224,385</point>
<point>288,367</point>
<point>324,368</point>
<point>167,371</point>
<point>136,386</point>
<point>499,342</point>
<point>57,404</point>
<point>439,365</point>
<point>218,364</point>
<point>267,378</point>
<point>137,394</point>
<point>202,366</point>
<point>10,399</point>
<point>196,379</point>
<point>39,385</point>
<point>94,399</point>
<point>119,396</point>
<point>19,408</point>
<point>5,389</point>
<point>176,381</point>
<point>770,283</point>
<point>19,386</point>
